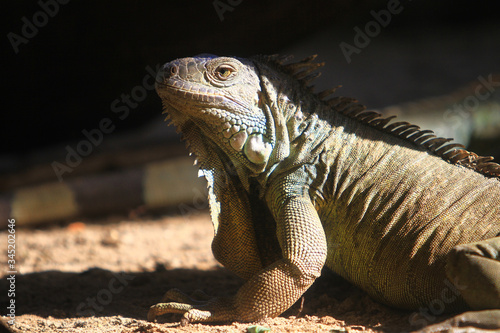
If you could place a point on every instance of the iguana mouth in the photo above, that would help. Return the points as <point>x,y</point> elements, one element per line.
<point>186,90</point>
<point>229,123</point>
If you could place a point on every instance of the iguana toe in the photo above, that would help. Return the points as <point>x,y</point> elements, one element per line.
<point>163,308</point>
<point>202,313</point>
<point>198,307</point>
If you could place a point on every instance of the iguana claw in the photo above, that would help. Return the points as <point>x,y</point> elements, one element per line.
<point>190,313</point>
<point>196,307</point>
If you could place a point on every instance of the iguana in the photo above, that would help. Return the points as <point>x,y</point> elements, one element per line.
<point>298,180</point>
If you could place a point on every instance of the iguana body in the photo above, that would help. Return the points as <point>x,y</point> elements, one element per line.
<point>296,183</point>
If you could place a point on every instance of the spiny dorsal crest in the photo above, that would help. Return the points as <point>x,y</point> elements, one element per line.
<point>305,71</point>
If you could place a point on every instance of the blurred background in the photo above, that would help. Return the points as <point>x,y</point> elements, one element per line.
<point>76,84</point>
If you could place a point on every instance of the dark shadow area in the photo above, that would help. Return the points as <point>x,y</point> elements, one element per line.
<point>98,292</point>
<point>101,293</point>
<point>68,66</point>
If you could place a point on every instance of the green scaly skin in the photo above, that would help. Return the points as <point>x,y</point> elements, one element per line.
<point>296,182</point>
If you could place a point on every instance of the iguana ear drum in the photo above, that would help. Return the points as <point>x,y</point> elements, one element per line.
<point>257,149</point>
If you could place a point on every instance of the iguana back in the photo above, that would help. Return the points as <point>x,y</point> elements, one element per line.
<point>392,211</point>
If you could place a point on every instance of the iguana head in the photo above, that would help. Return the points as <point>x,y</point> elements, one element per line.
<point>222,97</point>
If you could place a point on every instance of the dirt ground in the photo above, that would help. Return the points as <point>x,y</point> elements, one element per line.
<point>102,276</point>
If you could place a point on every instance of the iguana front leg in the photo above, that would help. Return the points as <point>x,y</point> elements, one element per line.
<point>475,270</point>
<point>303,244</point>
<point>275,288</point>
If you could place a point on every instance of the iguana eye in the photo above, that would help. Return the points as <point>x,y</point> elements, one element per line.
<point>224,72</point>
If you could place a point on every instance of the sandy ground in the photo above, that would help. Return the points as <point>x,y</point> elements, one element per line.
<point>102,276</point>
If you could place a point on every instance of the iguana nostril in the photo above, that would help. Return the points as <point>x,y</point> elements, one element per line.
<point>173,69</point>
<point>169,70</point>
